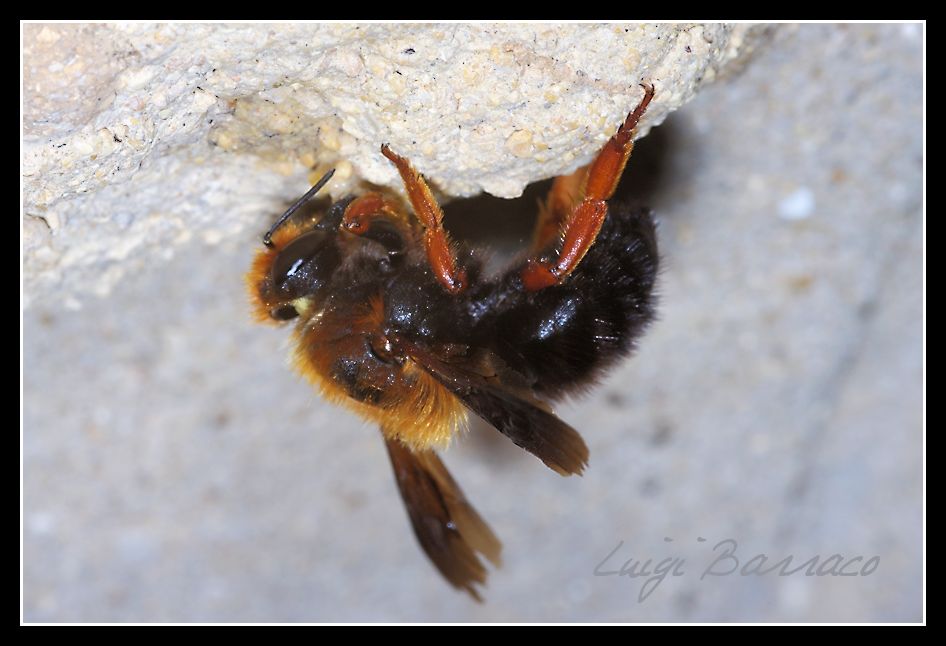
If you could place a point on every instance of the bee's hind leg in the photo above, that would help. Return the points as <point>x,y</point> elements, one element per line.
<point>585,219</point>
<point>565,193</point>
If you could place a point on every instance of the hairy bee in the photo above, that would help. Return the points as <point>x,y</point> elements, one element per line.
<point>407,329</point>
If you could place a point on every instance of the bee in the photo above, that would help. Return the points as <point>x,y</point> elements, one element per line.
<point>405,327</point>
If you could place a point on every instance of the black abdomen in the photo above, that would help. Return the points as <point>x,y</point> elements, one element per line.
<point>561,337</point>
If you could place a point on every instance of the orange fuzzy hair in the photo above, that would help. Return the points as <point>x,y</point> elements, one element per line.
<point>416,409</point>
<point>262,265</point>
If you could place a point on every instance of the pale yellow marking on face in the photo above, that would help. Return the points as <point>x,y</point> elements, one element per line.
<point>302,305</point>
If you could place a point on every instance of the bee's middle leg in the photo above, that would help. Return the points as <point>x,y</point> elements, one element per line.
<point>440,253</point>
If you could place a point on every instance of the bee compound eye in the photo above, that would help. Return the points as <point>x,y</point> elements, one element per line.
<point>304,264</point>
<point>290,260</point>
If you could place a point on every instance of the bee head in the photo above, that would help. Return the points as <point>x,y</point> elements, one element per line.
<point>297,262</point>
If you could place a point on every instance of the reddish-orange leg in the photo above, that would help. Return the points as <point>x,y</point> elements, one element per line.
<point>373,217</point>
<point>553,213</point>
<point>363,210</point>
<point>586,218</point>
<point>436,241</point>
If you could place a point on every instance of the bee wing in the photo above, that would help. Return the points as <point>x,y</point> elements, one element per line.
<point>446,525</point>
<point>510,408</point>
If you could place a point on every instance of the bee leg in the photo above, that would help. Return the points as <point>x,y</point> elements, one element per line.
<point>373,217</point>
<point>447,527</point>
<point>436,241</point>
<point>361,211</point>
<point>586,218</point>
<point>554,211</point>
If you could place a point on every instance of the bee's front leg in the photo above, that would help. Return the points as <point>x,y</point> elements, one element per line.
<point>374,217</point>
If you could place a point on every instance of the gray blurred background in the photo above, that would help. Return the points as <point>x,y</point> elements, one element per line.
<point>175,469</point>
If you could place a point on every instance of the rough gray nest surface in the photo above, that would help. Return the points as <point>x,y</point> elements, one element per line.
<point>138,137</point>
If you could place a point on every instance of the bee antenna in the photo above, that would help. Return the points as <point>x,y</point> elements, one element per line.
<point>268,238</point>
